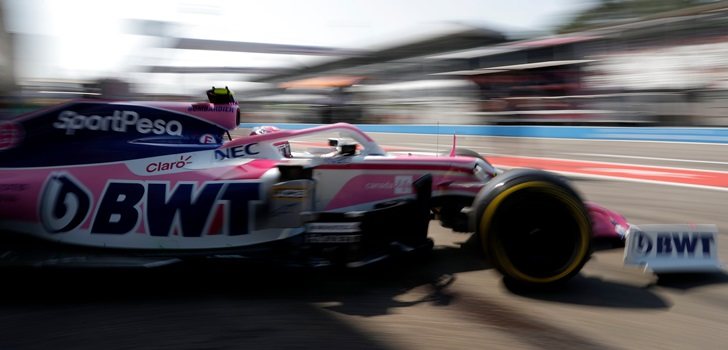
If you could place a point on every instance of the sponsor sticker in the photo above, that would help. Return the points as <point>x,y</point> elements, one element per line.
<point>10,135</point>
<point>241,151</point>
<point>403,184</point>
<point>9,192</point>
<point>187,209</point>
<point>210,108</point>
<point>13,187</point>
<point>295,193</point>
<point>180,163</point>
<point>118,121</point>
<point>207,139</point>
<point>400,185</point>
<point>64,203</point>
<point>672,248</point>
<point>333,227</point>
<point>332,239</point>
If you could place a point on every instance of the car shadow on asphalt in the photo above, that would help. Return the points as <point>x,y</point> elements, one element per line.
<point>685,281</point>
<point>595,291</point>
<point>254,305</point>
<point>371,291</point>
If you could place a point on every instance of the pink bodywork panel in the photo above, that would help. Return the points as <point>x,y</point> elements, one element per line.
<point>605,221</point>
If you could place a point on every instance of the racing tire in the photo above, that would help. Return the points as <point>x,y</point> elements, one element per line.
<point>533,227</point>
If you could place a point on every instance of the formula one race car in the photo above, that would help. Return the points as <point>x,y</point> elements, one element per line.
<point>91,183</point>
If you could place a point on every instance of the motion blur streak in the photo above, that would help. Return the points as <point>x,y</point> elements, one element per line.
<point>638,62</point>
<point>620,63</point>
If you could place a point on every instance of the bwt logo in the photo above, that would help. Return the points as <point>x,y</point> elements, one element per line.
<point>187,209</point>
<point>667,243</point>
<point>64,203</point>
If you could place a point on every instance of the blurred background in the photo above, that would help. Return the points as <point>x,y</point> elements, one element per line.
<point>565,62</point>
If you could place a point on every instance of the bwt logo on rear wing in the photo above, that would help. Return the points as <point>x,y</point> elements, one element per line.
<point>673,248</point>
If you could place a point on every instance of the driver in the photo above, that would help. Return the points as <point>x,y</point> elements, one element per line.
<point>284,146</point>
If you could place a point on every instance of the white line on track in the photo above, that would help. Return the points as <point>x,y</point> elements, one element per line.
<point>449,145</point>
<point>605,177</point>
<point>661,167</point>
<point>580,160</point>
<point>648,158</point>
<point>577,175</point>
<point>552,138</point>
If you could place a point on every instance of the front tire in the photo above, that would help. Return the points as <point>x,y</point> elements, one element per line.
<point>533,227</point>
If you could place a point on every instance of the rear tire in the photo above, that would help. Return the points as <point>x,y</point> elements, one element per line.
<point>533,227</point>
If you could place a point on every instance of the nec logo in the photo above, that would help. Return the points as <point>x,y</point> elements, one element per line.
<point>185,209</point>
<point>250,149</point>
<point>673,243</point>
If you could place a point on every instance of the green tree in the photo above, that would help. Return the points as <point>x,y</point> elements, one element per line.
<point>613,12</point>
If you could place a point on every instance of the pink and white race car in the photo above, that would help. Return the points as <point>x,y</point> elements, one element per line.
<point>91,183</point>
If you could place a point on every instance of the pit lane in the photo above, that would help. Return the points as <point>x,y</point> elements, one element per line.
<point>406,304</point>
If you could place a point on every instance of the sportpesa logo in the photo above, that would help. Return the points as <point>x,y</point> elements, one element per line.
<point>119,121</point>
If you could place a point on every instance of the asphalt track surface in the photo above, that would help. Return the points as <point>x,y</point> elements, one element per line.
<point>450,299</point>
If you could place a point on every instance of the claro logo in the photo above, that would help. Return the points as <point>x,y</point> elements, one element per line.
<point>119,121</point>
<point>167,166</point>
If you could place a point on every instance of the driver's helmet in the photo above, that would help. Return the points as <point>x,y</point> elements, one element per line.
<point>265,129</point>
<point>284,147</point>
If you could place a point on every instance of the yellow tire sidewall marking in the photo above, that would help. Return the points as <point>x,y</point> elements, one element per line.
<point>561,195</point>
